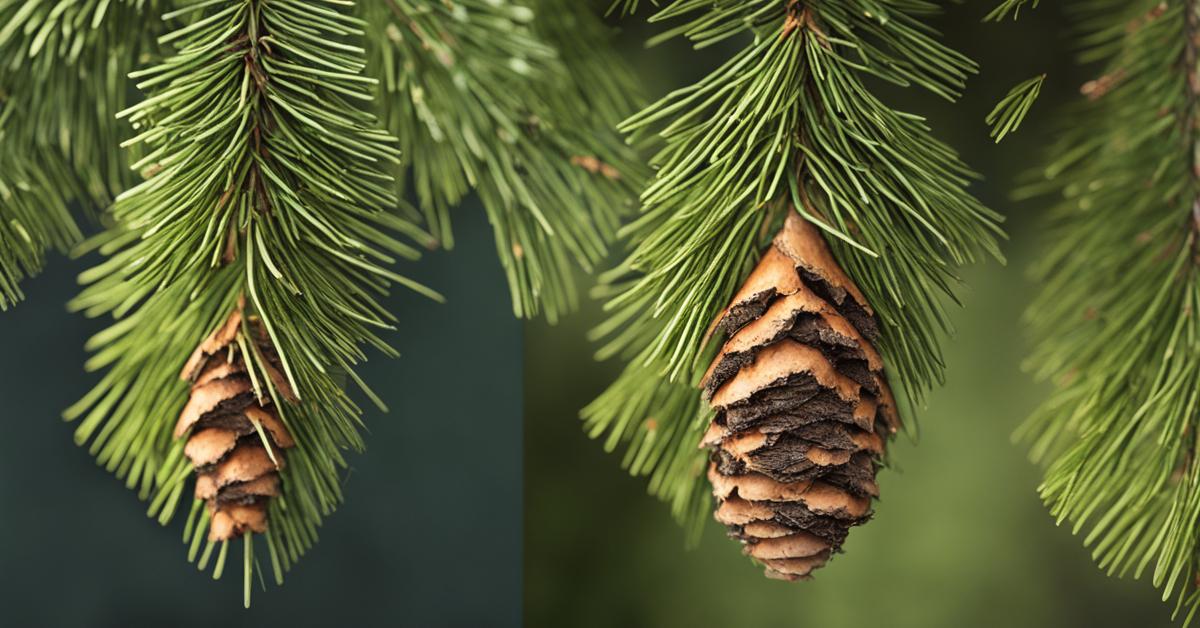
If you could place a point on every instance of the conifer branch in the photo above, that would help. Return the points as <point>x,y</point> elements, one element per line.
<point>787,124</point>
<point>1007,115</point>
<point>34,215</point>
<point>1009,7</point>
<point>516,103</point>
<point>266,182</point>
<point>627,7</point>
<point>74,55</point>
<point>658,422</point>
<point>1116,319</point>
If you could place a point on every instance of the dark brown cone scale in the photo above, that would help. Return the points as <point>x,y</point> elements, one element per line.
<point>803,410</point>
<point>235,440</point>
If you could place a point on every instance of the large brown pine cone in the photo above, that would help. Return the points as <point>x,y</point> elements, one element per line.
<point>235,439</point>
<point>802,407</point>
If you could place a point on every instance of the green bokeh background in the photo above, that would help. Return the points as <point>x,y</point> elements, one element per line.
<point>960,537</point>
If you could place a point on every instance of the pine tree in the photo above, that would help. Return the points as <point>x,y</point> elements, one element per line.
<point>786,127</point>
<point>1116,318</point>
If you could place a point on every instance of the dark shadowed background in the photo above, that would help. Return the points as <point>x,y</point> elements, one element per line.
<point>429,536</point>
<point>959,538</point>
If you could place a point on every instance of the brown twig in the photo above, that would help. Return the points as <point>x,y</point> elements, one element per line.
<point>803,18</point>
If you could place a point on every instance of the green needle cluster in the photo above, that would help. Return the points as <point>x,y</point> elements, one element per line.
<point>788,123</point>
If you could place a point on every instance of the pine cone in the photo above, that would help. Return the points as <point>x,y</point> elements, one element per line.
<point>797,388</point>
<point>235,439</point>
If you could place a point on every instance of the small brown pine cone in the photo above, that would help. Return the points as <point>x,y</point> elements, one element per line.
<point>803,410</point>
<point>235,439</point>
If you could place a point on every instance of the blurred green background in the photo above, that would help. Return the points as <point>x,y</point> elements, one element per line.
<point>960,537</point>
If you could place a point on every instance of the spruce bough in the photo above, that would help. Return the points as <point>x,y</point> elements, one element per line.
<point>62,78</point>
<point>517,103</point>
<point>787,125</point>
<point>1116,319</point>
<point>253,220</point>
<point>264,186</point>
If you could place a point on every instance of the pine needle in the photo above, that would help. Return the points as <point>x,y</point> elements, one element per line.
<point>1007,7</point>
<point>1008,114</point>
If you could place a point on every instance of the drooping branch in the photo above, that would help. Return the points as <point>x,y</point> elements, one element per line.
<point>516,102</point>
<point>786,124</point>
<point>266,195</point>
<point>1116,319</point>
<point>62,77</point>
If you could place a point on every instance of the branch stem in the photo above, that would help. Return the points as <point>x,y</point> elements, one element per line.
<point>1191,59</point>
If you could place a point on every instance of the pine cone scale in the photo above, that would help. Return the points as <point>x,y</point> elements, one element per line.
<point>796,545</point>
<point>802,406</point>
<point>207,447</point>
<point>215,398</point>
<point>234,520</point>
<point>778,363</point>
<point>795,568</point>
<point>218,339</point>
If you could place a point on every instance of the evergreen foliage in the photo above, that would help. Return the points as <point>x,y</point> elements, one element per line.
<point>265,177</point>
<point>1116,318</point>
<point>76,55</point>
<point>1008,114</point>
<point>1009,7</point>
<point>787,122</point>
<point>517,103</point>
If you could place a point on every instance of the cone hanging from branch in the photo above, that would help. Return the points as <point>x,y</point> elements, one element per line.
<point>803,410</point>
<point>235,436</point>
